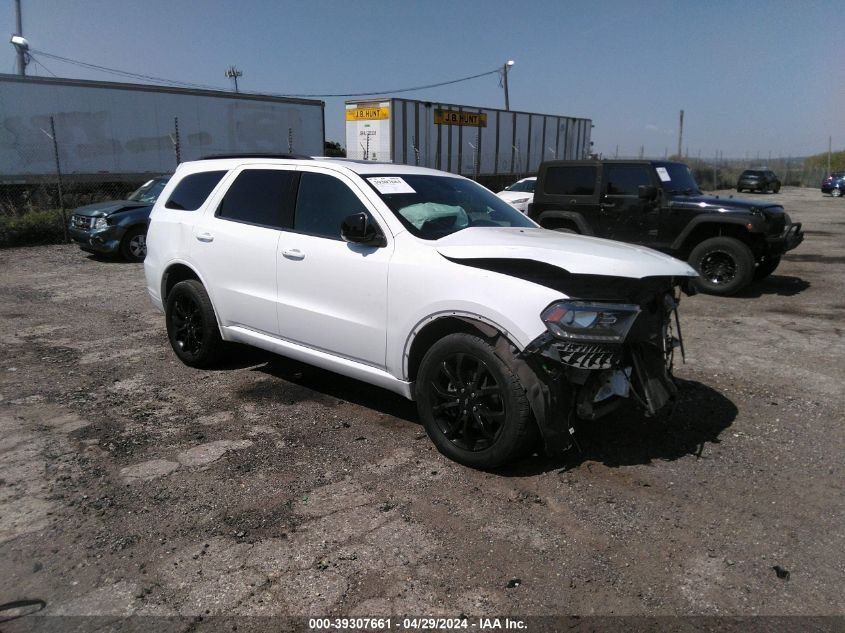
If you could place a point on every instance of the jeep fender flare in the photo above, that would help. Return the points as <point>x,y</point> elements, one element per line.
<point>571,216</point>
<point>693,224</point>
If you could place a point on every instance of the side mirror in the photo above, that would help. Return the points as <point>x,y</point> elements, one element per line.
<point>647,192</point>
<point>358,229</point>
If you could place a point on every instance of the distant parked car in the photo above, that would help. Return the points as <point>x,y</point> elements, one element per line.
<point>520,194</point>
<point>834,184</point>
<point>758,180</point>
<point>117,226</point>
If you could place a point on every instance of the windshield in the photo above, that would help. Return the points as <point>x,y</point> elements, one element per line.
<point>676,178</point>
<point>432,207</point>
<point>149,191</point>
<point>522,185</point>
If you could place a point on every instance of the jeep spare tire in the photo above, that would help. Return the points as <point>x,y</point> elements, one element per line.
<point>724,264</point>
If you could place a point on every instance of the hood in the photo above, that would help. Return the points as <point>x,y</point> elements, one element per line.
<point>108,207</point>
<point>514,195</point>
<point>723,205</point>
<point>576,254</point>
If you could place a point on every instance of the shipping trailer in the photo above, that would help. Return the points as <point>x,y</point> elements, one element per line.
<point>120,131</point>
<point>467,140</point>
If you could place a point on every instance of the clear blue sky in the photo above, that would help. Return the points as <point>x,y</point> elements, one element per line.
<point>753,77</point>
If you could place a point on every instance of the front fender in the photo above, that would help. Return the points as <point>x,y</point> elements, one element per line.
<point>742,220</point>
<point>126,219</point>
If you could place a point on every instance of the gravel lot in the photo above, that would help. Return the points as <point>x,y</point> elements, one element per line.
<point>131,484</point>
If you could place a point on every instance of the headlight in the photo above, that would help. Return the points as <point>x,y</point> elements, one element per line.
<point>101,223</point>
<point>582,321</point>
<point>519,200</point>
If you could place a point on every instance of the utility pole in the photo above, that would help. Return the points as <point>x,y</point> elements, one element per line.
<point>18,41</point>
<point>505,70</point>
<point>234,73</point>
<point>681,135</point>
<point>829,147</point>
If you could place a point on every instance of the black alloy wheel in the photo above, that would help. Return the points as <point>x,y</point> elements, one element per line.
<point>472,403</point>
<point>718,267</point>
<point>191,324</point>
<point>467,402</point>
<point>187,325</point>
<point>724,264</point>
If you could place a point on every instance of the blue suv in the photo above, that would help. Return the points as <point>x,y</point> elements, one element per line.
<point>834,184</point>
<point>117,226</point>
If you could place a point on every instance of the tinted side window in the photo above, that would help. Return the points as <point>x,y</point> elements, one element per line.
<point>322,203</point>
<point>624,180</point>
<point>260,196</point>
<point>192,190</point>
<point>571,181</point>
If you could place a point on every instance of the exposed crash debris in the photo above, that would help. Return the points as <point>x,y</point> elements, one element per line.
<point>596,355</point>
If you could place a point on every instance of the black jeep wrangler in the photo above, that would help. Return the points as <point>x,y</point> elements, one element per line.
<point>658,204</point>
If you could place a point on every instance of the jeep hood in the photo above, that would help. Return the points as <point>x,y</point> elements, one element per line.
<point>576,254</point>
<point>108,207</point>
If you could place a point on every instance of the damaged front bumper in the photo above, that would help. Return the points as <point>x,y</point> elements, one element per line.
<point>570,380</point>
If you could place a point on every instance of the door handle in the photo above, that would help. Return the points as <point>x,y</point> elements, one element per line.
<point>293,253</point>
<point>205,237</point>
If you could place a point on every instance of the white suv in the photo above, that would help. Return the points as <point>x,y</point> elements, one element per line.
<point>418,281</point>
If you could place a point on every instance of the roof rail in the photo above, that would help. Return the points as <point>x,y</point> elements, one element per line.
<point>256,155</point>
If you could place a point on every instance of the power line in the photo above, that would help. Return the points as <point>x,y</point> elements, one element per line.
<point>187,84</point>
<point>31,57</point>
<point>124,73</point>
<point>396,91</point>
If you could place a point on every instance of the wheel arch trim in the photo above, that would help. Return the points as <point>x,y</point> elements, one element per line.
<point>182,263</point>
<point>485,325</point>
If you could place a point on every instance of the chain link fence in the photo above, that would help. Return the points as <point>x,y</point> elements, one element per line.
<point>36,209</point>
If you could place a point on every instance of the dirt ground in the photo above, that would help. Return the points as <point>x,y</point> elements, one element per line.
<point>132,484</point>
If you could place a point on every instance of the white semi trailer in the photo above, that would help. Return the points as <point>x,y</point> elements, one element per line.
<point>118,131</point>
<point>468,140</point>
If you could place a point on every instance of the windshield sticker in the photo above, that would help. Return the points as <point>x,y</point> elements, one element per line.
<point>390,184</point>
<point>664,175</point>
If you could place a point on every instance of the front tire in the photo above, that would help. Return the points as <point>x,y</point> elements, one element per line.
<point>472,404</point>
<point>776,187</point>
<point>766,268</point>
<point>133,246</point>
<point>725,265</point>
<point>836,192</point>
<point>192,326</point>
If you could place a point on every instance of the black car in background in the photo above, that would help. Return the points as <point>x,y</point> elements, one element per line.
<point>117,227</point>
<point>758,180</point>
<point>834,184</point>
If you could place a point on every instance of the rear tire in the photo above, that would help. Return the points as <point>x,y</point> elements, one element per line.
<point>192,326</point>
<point>472,404</point>
<point>133,246</point>
<point>725,265</point>
<point>766,268</point>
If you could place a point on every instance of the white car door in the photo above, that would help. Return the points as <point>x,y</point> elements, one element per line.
<point>236,244</point>
<point>332,295</point>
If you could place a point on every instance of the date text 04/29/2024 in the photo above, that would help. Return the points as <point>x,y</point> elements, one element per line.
<point>417,624</point>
